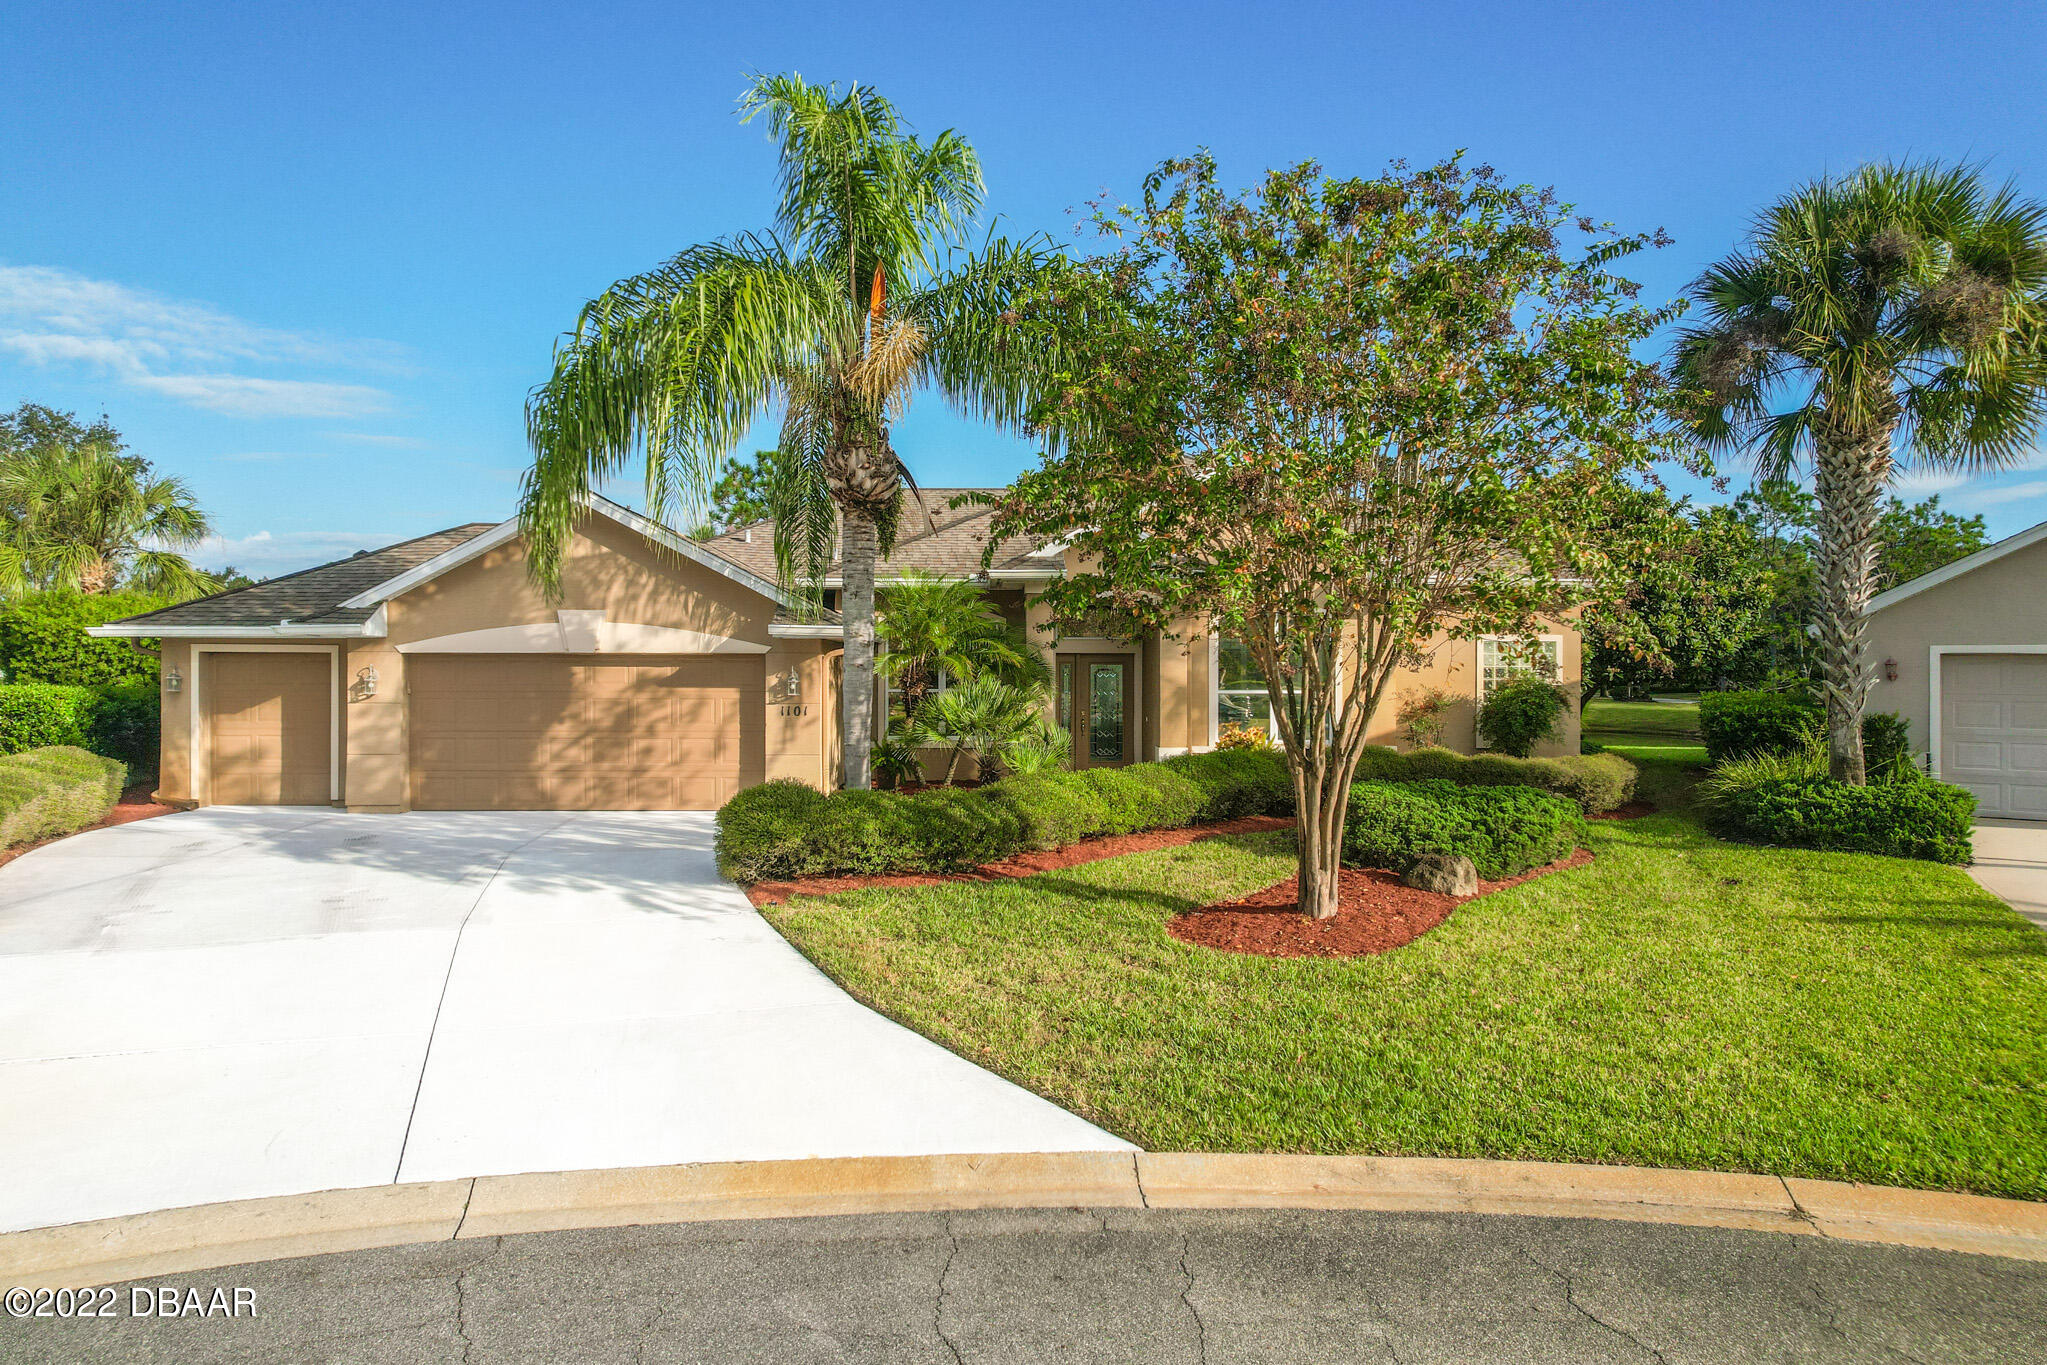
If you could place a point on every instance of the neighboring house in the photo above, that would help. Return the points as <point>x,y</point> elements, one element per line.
<point>433,675</point>
<point>1961,654</point>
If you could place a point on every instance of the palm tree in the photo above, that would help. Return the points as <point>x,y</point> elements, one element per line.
<point>82,514</point>
<point>862,296</point>
<point>931,625</point>
<point>1890,316</point>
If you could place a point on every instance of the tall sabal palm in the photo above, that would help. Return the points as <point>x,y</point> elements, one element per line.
<point>863,295</point>
<point>86,516</point>
<point>1889,317</point>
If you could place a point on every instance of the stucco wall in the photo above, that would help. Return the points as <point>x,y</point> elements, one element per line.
<point>2002,603</point>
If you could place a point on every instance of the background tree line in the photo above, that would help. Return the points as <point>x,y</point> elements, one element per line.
<point>1732,604</point>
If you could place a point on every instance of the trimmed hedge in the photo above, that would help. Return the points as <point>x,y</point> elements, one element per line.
<point>1736,723</point>
<point>788,829</point>
<point>1739,724</point>
<point>1909,818</point>
<point>1596,782</point>
<point>43,639</point>
<point>35,715</point>
<point>1504,830</point>
<point>45,792</point>
<point>122,721</point>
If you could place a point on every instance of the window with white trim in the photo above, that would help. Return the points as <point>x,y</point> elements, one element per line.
<point>1501,657</point>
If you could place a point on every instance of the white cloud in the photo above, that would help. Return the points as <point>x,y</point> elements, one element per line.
<point>1919,483</point>
<point>190,352</point>
<point>267,554</point>
<point>2015,492</point>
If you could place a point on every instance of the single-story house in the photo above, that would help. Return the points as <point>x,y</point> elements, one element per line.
<point>433,674</point>
<point>1961,654</point>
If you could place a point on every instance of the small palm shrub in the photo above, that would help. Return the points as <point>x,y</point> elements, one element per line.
<point>1521,713</point>
<point>1044,748</point>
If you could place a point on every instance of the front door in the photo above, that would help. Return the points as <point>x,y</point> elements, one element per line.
<point>1098,704</point>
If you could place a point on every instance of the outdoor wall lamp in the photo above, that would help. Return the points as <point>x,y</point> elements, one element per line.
<point>365,683</point>
<point>1890,670</point>
<point>173,681</point>
<point>792,684</point>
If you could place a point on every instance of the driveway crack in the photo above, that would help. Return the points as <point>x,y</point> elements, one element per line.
<point>448,977</point>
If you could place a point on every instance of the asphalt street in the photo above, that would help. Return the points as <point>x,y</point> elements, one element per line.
<point>1206,1288</point>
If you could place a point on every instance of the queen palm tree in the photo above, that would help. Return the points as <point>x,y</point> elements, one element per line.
<point>863,295</point>
<point>77,511</point>
<point>1890,317</point>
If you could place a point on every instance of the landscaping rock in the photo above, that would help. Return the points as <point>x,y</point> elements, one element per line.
<point>1447,874</point>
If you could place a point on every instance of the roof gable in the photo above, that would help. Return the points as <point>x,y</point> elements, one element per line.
<point>1947,573</point>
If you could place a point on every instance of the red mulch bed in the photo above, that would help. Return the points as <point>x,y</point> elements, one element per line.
<point>1023,864</point>
<point>1375,912</point>
<point>1634,810</point>
<point>133,805</point>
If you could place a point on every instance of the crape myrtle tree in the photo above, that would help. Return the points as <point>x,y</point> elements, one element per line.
<point>1336,419</point>
<point>865,294</point>
<point>1891,315</point>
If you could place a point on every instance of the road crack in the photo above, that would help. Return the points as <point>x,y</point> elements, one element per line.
<point>1571,1298</point>
<point>938,1308</point>
<point>1186,1290</point>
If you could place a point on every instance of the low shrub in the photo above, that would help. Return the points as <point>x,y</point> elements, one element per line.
<point>1917,818</point>
<point>1596,782</point>
<point>1239,735</point>
<point>1504,830</point>
<point>785,829</point>
<point>124,721</point>
<point>1737,723</point>
<point>1521,713</point>
<point>36,715</point>
<point>57,790</point>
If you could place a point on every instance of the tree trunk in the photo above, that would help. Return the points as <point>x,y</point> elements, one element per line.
<point>1849,475</point>
<point>1320,840</point>
<point>859,548</point>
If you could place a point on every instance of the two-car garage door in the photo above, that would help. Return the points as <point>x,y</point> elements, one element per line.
<point>580,732</point>
<point>1993,731</point>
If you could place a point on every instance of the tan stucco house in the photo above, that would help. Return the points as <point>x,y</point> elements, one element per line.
<point>433,675</point>
<point>1961,654</point>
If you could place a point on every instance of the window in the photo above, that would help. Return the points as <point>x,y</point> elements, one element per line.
<point>1240,688</point>
<point>1502,657</point>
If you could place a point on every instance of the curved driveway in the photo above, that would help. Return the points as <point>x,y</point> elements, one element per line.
<point>240,1002</point>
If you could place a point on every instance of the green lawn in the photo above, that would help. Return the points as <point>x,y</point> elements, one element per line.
<point>1643,717</point>
<point>1679,1002</point>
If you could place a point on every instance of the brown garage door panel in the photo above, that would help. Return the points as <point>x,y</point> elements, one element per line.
<point>513,732</point>
<point>269,722</point>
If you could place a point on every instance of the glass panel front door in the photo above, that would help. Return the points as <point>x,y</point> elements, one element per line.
<point>1105,719</point>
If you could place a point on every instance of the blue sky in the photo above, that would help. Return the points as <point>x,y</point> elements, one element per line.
<point>311,257</point>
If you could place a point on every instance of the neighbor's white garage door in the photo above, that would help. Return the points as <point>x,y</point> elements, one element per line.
<point>1993,730</point>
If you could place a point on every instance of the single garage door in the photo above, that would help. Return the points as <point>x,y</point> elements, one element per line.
<point>270,728</point>
<point>576,732</point>
<point>1993,731</point>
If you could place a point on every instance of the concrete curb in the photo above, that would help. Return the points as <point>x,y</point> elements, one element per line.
<point>175,1241</point>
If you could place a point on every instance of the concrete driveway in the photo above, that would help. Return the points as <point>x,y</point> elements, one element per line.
<point>240,1002</point>
<point>2011,861</point>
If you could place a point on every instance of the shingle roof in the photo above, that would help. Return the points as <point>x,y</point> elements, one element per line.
<point>935,537</point>
<point>313,596</point>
